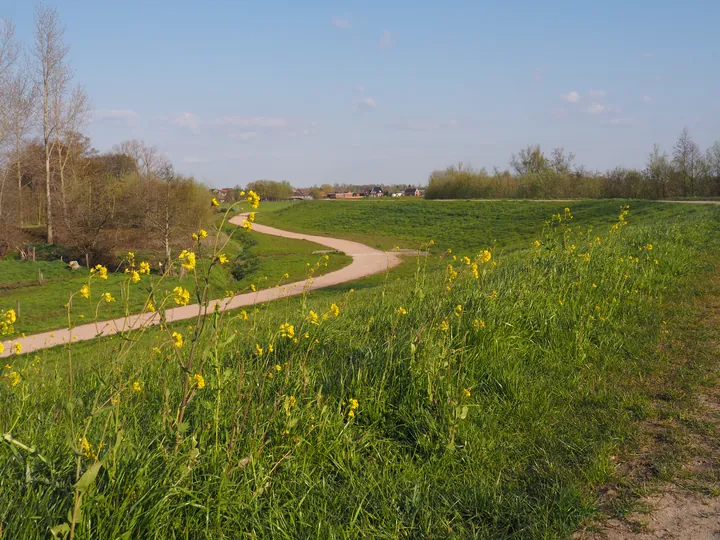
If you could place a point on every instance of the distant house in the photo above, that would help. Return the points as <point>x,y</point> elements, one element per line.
<point>345,195</point>
<point>375,192</point>
<point>222,195</point>
<point>301,195</point>
<point>412,192</point>
<point>397,194</point>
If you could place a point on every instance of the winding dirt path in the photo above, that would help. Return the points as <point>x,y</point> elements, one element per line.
<point>366,261</point>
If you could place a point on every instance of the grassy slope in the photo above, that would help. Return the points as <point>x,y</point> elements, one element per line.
<point>458,225</point>
<point>554,390</point>
<point>41,307</point>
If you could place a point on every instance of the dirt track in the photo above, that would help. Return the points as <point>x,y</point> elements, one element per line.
<point>366,261</point>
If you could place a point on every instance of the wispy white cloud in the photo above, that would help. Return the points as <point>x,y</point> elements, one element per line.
<point>187,120</point>
<point>646,99</point>
<point>623,121</point>
<point>596,108</point>
<point>597,93</point>
<point>267,122</point>
<point>243,136</point>
<point>387,40</point>
<point>366,103</point>
<point>341,22</point>
<point>571,97</point>
<point>120,116</point>
<point>425,125</point>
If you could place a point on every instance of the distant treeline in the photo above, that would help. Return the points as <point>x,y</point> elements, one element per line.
<point>533,175</point>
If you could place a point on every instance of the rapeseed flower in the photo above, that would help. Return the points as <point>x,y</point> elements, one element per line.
<point>150,306</point>
<point>199,381</point>
<point>101,271</point>
<point>251,217</point>
<point>466,393</point>
<point>477,324</point>
<point>187,259</point>
<point>137,386</point>
<point>15,378</point>
<point>334,310</point>
<point>253,199</point>
<point>202,233</point>
<point>215,202</point>
<point>222,258</point>
<point>182,296</point>
<point>258,350</point>
<point>484,256</point>
<point>287,330</point>
<point>312,317</point>
<point>177,340</point>
<point>85,291</point>
<point>108,297</point>
<point>402,311</point>
<point>144,268</point>
<point>444,326</point>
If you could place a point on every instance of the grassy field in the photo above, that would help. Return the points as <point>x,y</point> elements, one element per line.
<point>470,225</point>
<point>424,404</point>
<point>41,306</point>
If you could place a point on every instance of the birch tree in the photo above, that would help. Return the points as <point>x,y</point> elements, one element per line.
<point>51,75</point>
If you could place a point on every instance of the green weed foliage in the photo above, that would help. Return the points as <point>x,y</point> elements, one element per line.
<point>484,399</point>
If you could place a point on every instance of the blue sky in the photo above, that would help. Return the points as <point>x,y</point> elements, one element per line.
<point>363,92</point>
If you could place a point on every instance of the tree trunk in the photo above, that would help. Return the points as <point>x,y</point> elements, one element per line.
<point>19,184</point>
<point>48,210</point>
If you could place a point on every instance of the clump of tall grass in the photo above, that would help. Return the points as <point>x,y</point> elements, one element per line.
<point>481,400</point>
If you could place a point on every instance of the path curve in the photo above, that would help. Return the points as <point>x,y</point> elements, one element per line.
<point>366,261</point>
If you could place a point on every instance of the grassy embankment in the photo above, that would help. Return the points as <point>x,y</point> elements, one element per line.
<point>498,418</point>
<point>41,305</point>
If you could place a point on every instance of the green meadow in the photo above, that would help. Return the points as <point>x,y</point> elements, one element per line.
<point>450,398</point>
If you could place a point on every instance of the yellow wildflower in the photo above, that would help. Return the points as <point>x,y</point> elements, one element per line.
<point>187,258</point>
<point>270,348</point>
<point>537,243</point>
<point>157,350</point>
<point>85,291</point>
<point>278,368</point>
<point>195,237</point>
<point>199,381</point>
<point>215,202</point>
<point>137,386</point>
<point>100,270</point>
<point>334,310</point>
<point>466,393</point>
<point>182,296</point>
<point>144,268</point>
<point>134,276</point>
<point>402,311</point>
<point>444,326</point>
<point>466,260</point>
<point>2,348</point>
<point>246,225</point>
<point>150,306</point>
<point>86,449</point>
<point>649,247</point>
<point>287,330</point>
<point>474,268</point>
<point>244,315</point>
<point>202,233</point>
<point>222,258</point>
<point>258,350</point>
<point>253,199</point>
<point>15,376</point>
<point>458,310</point>
<point>312,317</point>
<point>485,256</point>
<point>477,324</point>
<point>251,217</point>
<point>17,347</point>
<point>253,288</point>
<point>108,297</point>
<point>177,340</point>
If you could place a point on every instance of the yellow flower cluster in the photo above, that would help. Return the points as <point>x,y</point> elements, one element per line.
<point>402,311</point>
<point>137,386</point>
<point>353,405</point>
<point>215,202</point>
<point>144,268</point>
<point>484,256</point>
<point>312,317</point>
<point>100,270</point>
<point>202,233</point>
<point>199,381</point>
<point>177,340</point>
<point>287,330</point>
<point>222,258</point>
<point>253,199</point>
<point>85,291</point>
<point>334,310</point>
<point>108,297</point>
<point>7,320</point>
<point>182,296</point>
<point>134,275</point>
<point>187,259</point>
<point>477,324</point>
<point>87,450</point>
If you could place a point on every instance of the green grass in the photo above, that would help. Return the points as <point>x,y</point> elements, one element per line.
<point>41,306</point>
<point>555,379</point>
<point>459,225</point>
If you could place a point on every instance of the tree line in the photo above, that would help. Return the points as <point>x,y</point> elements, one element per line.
<point>53,180</point>
<point>687,172</point>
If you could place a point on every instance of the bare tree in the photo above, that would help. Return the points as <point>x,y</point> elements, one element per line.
<point>52,75</point>
<point>21,109</point>
<point>9,51</point>
<point>687,160</point>
<point>561,163</point>
<point>529,160</point>
<point>659,171</point>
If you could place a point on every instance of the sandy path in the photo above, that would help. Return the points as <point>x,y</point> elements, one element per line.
<point>366,261</point>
